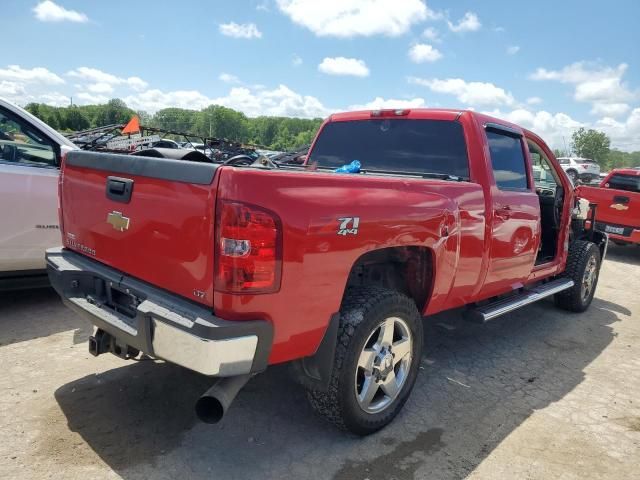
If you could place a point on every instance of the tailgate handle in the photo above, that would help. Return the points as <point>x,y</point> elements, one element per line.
<point>119,189</point>
<point>620,199</point>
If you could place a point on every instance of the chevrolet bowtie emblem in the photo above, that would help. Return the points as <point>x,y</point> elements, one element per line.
<point>118,221</point>
<point>619,206</point>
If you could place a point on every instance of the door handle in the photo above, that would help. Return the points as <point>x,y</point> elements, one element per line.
<point>503,212</point>
<point>119,189</point>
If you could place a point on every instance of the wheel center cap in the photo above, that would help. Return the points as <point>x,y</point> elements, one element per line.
<point>386,364</point>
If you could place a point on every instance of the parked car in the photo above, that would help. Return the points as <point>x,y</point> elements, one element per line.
<point>166,143</point>
<point>583,169</point>
<point>30,154</point>
<point>226,269</point>
<point>618,200</point>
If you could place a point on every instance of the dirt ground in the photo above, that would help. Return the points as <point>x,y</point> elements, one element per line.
<point>537,394</point>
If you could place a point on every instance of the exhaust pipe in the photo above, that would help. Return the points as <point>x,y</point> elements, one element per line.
<point>214,403</point>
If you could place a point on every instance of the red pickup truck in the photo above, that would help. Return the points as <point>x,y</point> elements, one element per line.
<point>618,201</point>
<point>228,268</point>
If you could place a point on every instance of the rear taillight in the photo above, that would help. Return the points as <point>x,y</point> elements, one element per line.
<point>248,249</point>
<point>585,166</point>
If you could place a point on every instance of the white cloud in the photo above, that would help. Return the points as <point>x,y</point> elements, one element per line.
<point>431,34</point>
<point>513,49</point>
<point>17,92</point>
<point>350,18</point>
<point>469,93</point>
<point>534,100</point>
<point>296,61</point>
<point>610,109</point>
<point>137,83</point>
<point>154,99</point>
<point>602,86</point>
<point>228,78</point>
<point>250,100</point>
<point>93,75</point>
<point>468,23</point>
<point>100,87</point>
<point>380,103</point>
<point>48,11</point>
<point>344,66</point>
<point>11,89</point>
<point>554,128</point>
<point>30,75</point>
<point>90,98</point>
<point>240,30</point>
<point>98,77</point>
<point>263,6</point>
<point>421,53</point>
<point>624,135</point>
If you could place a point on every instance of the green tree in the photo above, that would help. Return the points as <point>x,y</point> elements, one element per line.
<point>591,144</point>
<point>75,120</point>
<point>114,112</point>
<point>222,122</point>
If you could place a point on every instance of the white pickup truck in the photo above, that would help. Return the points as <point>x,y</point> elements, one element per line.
<point>30,154</point>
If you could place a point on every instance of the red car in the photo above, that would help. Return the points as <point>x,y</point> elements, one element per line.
<point>228,268</point>
<point>618,201</point>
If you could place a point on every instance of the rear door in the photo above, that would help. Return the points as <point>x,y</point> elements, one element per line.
<point>151,218</point>
<point>514,221</point>
<point>28,194</point>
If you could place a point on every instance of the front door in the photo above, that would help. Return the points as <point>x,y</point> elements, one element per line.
<point>514,221</point>
<point>28,195</point>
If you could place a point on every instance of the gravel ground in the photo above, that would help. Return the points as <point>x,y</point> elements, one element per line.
<point>537,394</point>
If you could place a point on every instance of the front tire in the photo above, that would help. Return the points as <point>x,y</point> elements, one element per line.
<point>583,267</point>
<point>573,175</point>
<point>376,361</point>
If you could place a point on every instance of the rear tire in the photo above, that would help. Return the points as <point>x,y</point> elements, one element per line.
<point>372,376</point>
<point>583,267</point>
<point>573,175</point>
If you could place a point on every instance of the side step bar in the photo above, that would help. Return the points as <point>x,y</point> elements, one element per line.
<point>500,307</point>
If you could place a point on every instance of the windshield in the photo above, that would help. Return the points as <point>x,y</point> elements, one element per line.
<point>397,145</point>
<point>630,183</point>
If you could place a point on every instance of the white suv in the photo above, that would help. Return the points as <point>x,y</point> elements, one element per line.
<point>583,169</point>
<point>30,154</point>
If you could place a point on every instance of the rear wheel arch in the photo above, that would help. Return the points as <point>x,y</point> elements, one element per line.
<point>407,269</point>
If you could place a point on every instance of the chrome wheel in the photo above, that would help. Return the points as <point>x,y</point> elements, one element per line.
<point>589,278</point>
<point>383,365</point>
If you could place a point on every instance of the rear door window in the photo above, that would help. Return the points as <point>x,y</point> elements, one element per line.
<point>21,144</point>
<point>507,160</point>
<point>630,183</point>
<point>394,145</point>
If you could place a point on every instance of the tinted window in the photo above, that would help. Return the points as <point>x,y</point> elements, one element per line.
<point>630,183</point>
<point>21,144</point>
<point>420,146</point>
<point>507,160</point>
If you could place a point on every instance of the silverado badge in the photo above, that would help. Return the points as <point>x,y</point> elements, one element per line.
<point>118,221</point>
<point>619,206</point>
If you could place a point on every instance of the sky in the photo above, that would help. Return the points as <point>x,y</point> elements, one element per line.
<point>548,65</point>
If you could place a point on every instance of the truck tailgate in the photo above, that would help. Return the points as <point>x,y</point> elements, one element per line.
<point>151,218</point>
<point>616,208</point>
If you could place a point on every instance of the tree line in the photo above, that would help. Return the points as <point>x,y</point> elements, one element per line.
<point>277,133</point>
